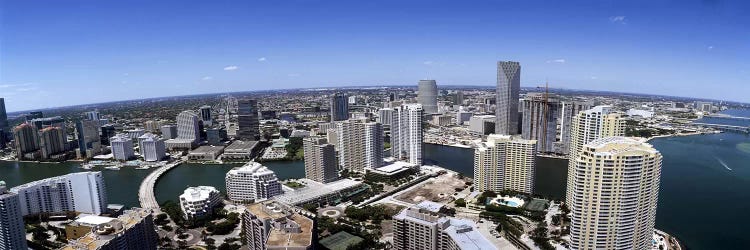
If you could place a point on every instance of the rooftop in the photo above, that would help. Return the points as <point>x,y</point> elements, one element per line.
<point>314,189</point>
<point>93,220</point>
<point>464,233</point>
<point>430,206</point>
<point>251,168</point>
<point>278,212</point>
<point>200,193</point>
<point>105,232</point>
<point>207,149</point>
<point>241,146</point>
<point>617,145</point>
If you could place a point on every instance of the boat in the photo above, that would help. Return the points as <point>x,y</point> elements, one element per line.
<point>87,166</point>
<point>143,167</point>
<point>724,164</point>
<point>112,167</point>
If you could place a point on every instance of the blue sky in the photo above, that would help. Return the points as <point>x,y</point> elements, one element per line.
<point>56,53</point>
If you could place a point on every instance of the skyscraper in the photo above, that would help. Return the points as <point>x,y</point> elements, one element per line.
<point>52,142</point>
<point>427,96</point>
<point>505,163</point>
<point>152,148</point>
<point>406,133</point>
<point>360,144</point>
<point>122,147</point>
<point>107,131</point>
<point>89,142</point>
<point>169,132</point>
<point>12,230</point>
<point>206,115</point>
<point>614,191</point>
<point>252,182</point>
<point>187,126</point>
<point>82,192</point>
<point>320,160</point>
<point>508,89</point>
<point>540,116</point>
<point>339,107</point>
<point>3,117</point>
<point>568,109</point>
<point>26,140</point>
<point>247,119</point>
<point>385,115</point>
<point>587,126</point>
<point>92,116</point>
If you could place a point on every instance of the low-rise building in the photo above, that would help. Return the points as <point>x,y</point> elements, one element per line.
<point>206,153</point>
<point>482,124</point>
<point>132,230</point>
<point>316,192</point>
<point>423,227</point>
<point>240,151</point>
<point>273,225</point>
<point>198,202</point>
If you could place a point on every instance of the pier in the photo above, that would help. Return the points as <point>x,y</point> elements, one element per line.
<point>725,116</point>
<point>146,192</point>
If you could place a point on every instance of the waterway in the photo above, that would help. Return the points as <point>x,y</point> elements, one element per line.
<point>704,198</point>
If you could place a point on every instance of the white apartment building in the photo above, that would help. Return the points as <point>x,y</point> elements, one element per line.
<point>12,230</point>
<point>198,202</point>
<point>614,194</point>
<point>505,163</point>
<point>360,144</point>
<point>587,126</point>
<point>422,227</point>
<point>152,148</point>
<point>406,133</point>
<point>82,192</point>
<point>251,183</point>
<point>122,147</point>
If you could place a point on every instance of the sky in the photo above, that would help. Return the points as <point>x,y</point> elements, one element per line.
<point>58,53</point>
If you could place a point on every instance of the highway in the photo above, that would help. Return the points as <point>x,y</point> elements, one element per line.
<point>146,192</point>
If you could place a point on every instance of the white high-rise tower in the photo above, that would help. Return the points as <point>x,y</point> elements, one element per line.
<point>406,133</point>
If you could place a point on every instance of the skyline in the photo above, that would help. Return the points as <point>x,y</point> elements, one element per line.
<point>136,50</point>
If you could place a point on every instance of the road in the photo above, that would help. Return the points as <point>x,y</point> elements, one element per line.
<point>146,192</point>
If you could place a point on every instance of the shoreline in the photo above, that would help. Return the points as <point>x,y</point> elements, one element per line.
<point>649,139</point>
<point>671,240</point>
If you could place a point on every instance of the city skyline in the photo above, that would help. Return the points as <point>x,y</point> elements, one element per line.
<point>229,47</point>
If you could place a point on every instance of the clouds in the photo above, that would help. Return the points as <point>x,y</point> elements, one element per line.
<point>231,68</point>
<point>710,48</point>
<point>618,19</point>
<point>428,62</point>
<point>262,59</point>
<point>207,78</point>
<point>556,61</point>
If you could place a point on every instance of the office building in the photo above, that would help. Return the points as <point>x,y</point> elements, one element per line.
<point>135,133</point>
<point>247,119</point>
<point>385,115</point>
<point>615,190</point>
<point>441,120</point>
<point>251,183</point>
<point>27,141</point>
<point>89,142</point>
<point>93,116</point>
<point>82,192</point>
<point>41,123</point>
<point>273,225</point>
<point>122,147</point>
<point>187,126</point>
<point>3,117</point>
<point>240,151</point>
<point>360,144</point>
<point>463,116</point>
<point>12,230</point>
<point>134,229</point>
<point>505,162</point>
<point>199,202</point>
<point>169,132</point>
<point>541,112</point>
<point>482,124</point>
<point>427,95</point>
<point>107,131</point>
<point>320,160</point>
<point>339,107</point>
<point>52,142</point>
<point>587,126</point>
<point>152,148</point>
<point>206,115</point>
<point>216,136</point>
<point>406,133</point>
<point>152,126</point>
<point>423,227</point>
<point>569,109</point>
<point>507,92</point>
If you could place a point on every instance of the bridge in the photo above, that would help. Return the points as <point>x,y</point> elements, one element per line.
<point>724,127</point>
<point>725,116</point>
<point>146,192</point>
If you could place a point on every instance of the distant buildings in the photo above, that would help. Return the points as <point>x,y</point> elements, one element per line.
<point>52,142</point>
<point>427,95</point>
<point>272,225</point>
<point>406,133</point>
<point>508,89</point>
<point>4,126</point>
<point>27,141</point>
<point>41,123</point>
<point>463,116</point>
<point>169,132</point>
<point>614,192</point>
<point>152,126</point>
<point>152,148</point>
<point>12,230</point>
<point>423,227</point>
<point>199,202</point>
<point>360,144</point>
<point>89,142</point>
<point>541,112</point>
<point>505,163</point>
<point>107,131</point>
<point>206,115</point>
<point>441,120</point>
<point>187,126</point>
<point>122,147</point>
<point>251,183</point>
<point>93,116</point>
<point>133,230</point>
<point>569,109</point>
<point>385,115</point>
<point>587,126</point>
<point>216,136</point>
<point>482,124</point>
<point>82,192</point>
<point>339,107</point>
<point>247,120</point>
<point>320,160</point>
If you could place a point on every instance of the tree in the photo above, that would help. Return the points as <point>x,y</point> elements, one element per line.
<point>460,202</point>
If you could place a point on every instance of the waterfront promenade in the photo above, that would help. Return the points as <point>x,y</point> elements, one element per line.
<point>146,192</point>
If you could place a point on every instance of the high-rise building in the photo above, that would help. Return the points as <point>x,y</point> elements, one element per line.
<point>423,227</point>
<point>568,109</point>
<point>385,115</point>
<point>587,126</point>
<point>93,116</point>
<point>247,119</point>
<point>122,147</point>
<point>273,225</point>
<point>34,115</point>
<point>339,107</point>
<point>134,229</point>
<point>3,117</point>
<point>360,144</point>
<point>464,116</point>
<point>89,142</point>
<point>614,191</point>
<point>216,136</point>
<point>152,148</point>
<point>406,133</point>
<point>26,140</point>
<point>251,183</point>
<point>187,126</point>
<point>206,115</point>
<point>152,126</point>
<point>541,112</point>
<point>427,95</point>
<point>52,141</point>
<point>55,121</point>
<point>199,202</point>
<point>482,124</point>
<point>508,89</point>
<point>169,132</point>
<point>12,230</point>
<point>505,162</point>
<point>320,160</point>
<point>82,192</point>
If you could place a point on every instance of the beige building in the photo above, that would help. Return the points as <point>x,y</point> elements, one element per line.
<point>422,226</point>
<point>320,160</point>
<point>590,125</point>
<point>614,194</point>
<point>504,162</point>
<point>272,225</point>
<point>360,144</point>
